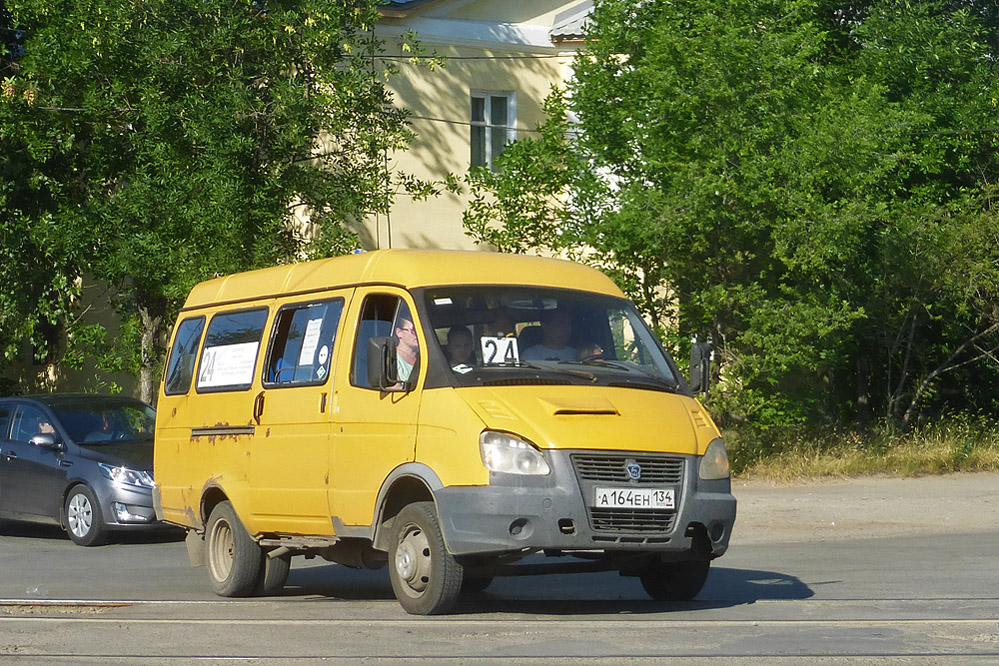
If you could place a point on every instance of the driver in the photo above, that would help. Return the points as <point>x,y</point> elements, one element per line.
<point>556,329</point>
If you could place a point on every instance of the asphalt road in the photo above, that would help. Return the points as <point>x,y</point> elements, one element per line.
<point>811,580</point>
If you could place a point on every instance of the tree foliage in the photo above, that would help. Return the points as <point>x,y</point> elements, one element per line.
<point>152,145</point>
<point>798,179</point>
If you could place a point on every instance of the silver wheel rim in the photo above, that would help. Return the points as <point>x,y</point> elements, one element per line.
<point>80,515</point>
<point>220,550</point>
<point>413,560</point>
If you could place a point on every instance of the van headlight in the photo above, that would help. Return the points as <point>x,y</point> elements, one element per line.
<point>502,452</point>
<point>127,477</point>
<point>714,462</point>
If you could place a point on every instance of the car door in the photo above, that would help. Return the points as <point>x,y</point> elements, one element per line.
<point>36,476</point>
<point>290,454</point>
<point>374,430</point>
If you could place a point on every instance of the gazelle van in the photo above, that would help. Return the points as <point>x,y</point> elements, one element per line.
<point>446,413</point>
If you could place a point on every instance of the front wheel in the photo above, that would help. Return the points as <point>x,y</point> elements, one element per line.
<point>675,581</point>
<point>84,521</point>
<point>425,577</point>
<point>273,575</point>
<point>234,558</point>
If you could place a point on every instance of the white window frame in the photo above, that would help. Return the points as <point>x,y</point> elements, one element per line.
<point>487,122</point>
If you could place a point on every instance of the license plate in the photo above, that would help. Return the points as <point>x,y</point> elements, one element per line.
<point>634,498</point>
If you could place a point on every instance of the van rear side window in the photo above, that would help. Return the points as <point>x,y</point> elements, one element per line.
<point>302,344</point>
<point>180,367</point>
<point>230,354</point>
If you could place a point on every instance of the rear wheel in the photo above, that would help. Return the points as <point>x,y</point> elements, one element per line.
<point>234,559</point>
<point>425,577</point>
<point>84,521</point>
<point>273,574</point>
<point>675,581</point>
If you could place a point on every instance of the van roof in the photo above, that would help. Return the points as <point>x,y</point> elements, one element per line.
<point>404,268</point>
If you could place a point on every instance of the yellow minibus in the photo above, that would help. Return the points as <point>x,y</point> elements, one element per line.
<point>446,413</point>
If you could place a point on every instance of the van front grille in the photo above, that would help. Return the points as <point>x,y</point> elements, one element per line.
<point>631,520</point>
<point>614,468</point>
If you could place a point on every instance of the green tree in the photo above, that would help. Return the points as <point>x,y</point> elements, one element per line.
<point>757,169</point>
<point>39,262</point>
<point>192,135</point>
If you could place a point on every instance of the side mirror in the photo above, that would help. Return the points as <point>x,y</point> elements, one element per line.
<point>47,440</point>
<point>700,366</point>
<point>383,373</point>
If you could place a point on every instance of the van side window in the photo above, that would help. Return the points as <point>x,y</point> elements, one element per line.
<point>302,344</point>
<point>230,353</point>
<point>384,316</point>
<point>180,366</point>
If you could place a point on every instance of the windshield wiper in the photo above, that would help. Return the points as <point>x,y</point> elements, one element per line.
<point>547,367</point>
<point>670,384</point>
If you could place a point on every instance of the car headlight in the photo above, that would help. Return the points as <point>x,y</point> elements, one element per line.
<point>502,452</point>
<point>127,477</point>
<point>714,463</point>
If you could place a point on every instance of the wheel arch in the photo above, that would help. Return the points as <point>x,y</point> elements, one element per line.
<point>211,496</point>
<point>412,482</point>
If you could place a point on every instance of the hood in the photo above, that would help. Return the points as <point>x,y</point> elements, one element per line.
<point>137,455</point>
<point>591,417</point>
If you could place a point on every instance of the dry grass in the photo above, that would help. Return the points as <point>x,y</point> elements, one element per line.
<point>956,444</point>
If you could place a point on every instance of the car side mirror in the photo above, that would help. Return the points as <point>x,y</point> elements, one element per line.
<point>47,440</point>
<point>383,371</point>
<point>700,366</point>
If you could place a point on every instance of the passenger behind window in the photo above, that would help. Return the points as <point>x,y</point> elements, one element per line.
<point>407,345</point>
<point>460,349</point>
<point>501,325</point>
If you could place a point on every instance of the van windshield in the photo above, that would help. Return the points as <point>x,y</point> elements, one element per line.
<point>516,335</point>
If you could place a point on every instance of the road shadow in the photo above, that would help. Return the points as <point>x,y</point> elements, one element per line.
<point>557,594</point>
<point>47,531</point>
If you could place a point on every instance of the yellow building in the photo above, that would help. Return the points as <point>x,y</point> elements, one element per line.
<point>502,59</point>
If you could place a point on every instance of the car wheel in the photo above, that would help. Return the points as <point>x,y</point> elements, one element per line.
<point>273,574</point>
<point>674,581</point>
<point>233,557</point>
<point>425,577</point>
<point>84,521</point>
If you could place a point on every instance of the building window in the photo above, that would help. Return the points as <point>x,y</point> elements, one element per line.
<point>494,117</point>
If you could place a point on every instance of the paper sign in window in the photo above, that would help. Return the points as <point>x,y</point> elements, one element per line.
<point>499,351</point>
<point>228,365</point>
<point>310,342</point>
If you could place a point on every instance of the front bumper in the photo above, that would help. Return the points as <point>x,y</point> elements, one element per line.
<point>125,507</point>
<point>551,512</point>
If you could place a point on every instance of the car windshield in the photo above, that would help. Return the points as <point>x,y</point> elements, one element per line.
<point>98,422</point>
<point>515,335</point>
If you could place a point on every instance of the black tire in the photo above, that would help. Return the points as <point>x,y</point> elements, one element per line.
<point>273,574</point>
<point>474,584</point>
<point>233,558</point>
<point>425,577</point>
<point>84,520</point>
<point>675,581</point>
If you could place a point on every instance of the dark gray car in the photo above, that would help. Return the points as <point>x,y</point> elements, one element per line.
<point>82,461</point>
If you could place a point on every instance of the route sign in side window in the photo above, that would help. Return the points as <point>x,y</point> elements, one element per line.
<point>230,353</point>
<point>180,366</point>
<point>302,344</point>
